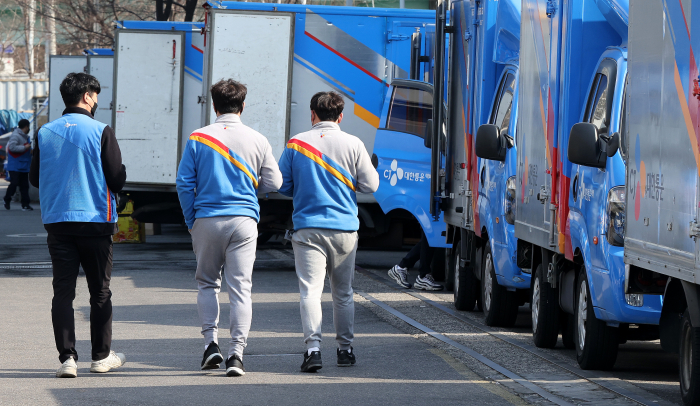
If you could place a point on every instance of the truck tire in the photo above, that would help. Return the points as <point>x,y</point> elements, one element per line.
<point>596,342</point>
<point>689,361</point>
<point>464,283</point>
<point>545,311</point>
<point>449,270</point>
<point>499,305</point>
<point>568,329</point>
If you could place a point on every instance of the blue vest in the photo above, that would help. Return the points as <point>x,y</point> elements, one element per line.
<point>72,186</point>
<point>19,162</point>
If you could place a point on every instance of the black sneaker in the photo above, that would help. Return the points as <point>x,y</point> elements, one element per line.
<point>212,357</point>
<point>346,358</point>
<point>7,205</point>
<point>25,208</point>
<point>234,366</point>
<point>312,362</point>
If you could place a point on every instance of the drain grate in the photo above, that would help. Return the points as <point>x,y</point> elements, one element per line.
<point>25,265</point>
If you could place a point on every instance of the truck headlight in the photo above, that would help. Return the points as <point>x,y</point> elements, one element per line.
<point>616,216</point>
<point>509,201</point>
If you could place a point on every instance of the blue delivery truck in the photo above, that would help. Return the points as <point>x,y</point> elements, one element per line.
<point>648,156</point>
<point>563,252</point>
<point>284,54</point>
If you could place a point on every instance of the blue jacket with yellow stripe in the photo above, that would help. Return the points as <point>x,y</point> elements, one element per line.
<point>224,166</point>
<point>322,171</point>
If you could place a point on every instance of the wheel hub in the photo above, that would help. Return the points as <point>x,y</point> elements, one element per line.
<point>456,275</point>
<point>535,304</point>
<point>488,283</point>
<point>582,314</point>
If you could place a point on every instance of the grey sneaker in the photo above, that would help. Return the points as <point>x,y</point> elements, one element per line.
<point>400,276</point>
<point>427,283</point>
<point>68,369</point>
<point>114,360</point>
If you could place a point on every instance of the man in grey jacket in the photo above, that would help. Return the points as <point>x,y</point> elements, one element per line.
<point>323,169</point>
<point>224,167</point>
<point>19,160</point>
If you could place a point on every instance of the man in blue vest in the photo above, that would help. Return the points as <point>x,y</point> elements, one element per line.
<point>78,169</point>
<point>19,158</point>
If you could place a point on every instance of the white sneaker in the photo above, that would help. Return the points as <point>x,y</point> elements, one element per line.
<point>400,276</point>
<point>114,360</point>
<point>68,369</point>
<point>427,283</point>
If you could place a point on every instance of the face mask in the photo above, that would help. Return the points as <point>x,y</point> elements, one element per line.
<point>93,109</point>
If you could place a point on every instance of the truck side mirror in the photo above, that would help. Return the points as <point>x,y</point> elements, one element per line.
<point>489,143</point>
<point>613,144</point>
<point>586,147</point>
<point>428,139</point>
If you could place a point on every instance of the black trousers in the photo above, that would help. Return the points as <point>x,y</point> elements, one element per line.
<point>94,253</point>
<point>20,179</point>
<point>420,252</point>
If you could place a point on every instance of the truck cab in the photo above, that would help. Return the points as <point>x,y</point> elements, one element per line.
<point>402,155</point>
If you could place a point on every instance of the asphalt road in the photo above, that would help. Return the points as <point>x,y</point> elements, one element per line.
<point>156,326</point>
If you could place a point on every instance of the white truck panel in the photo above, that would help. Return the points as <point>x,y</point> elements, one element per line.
<point>256,50</point>
<point>102,68</point>
<point>147,102</point>
<point>59,67</point>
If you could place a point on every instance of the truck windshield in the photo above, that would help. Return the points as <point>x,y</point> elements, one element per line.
<point>410,111</point>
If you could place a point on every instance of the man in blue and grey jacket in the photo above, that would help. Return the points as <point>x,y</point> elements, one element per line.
<point>224,167</point>
<point>323,169</point>
<point>78,169</point>
<point>19,158</point>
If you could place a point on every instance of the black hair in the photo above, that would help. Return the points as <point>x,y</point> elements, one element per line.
<point>228,96</point>
<point>23,123</point>
<point>327,105</point>
<point>75,85</point>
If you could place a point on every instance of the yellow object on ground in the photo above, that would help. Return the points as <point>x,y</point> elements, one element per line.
<point>130,230</point>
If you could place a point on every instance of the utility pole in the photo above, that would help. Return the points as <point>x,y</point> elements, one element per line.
<point>29,20</point>
<point>50,32</point>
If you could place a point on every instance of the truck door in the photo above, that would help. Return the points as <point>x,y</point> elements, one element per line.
<point>589,188</point>
<point>147,103</point>
<point>102,68</point>
<point>403,160</point>
<point>255,48</point>
<point>59,67</point>
<point>492,172</point>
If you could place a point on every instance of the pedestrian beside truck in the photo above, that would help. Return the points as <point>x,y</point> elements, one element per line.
<point>19,158</point>
<point>323,169</point>
<point>78,169</point>
<point>224,166</point>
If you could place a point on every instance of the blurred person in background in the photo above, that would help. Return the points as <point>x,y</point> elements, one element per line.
<point>18,163</point>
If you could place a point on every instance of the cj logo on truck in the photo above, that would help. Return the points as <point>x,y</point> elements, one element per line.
<point>642,184</point>
<point>394,173</point>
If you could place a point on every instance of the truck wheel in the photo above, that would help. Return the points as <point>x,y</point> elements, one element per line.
<point>689,361</point>
<point>568,329</point>
<point>464,282</point>
<point>545,311</point>
<point>596,342</point>
<point>500,306</point>
<point>449,270</point>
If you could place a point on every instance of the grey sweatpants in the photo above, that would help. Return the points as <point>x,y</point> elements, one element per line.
<point>317,251</point>
<point>226,243</point>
